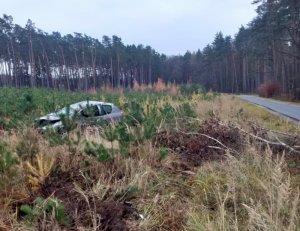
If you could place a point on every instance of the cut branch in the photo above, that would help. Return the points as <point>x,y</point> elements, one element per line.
<point>279,143</point>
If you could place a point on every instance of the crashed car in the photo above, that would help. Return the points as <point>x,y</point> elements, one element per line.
<point>83,112</point>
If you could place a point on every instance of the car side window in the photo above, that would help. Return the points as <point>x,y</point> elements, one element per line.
<point>91,111</point>
<point>106,109</point>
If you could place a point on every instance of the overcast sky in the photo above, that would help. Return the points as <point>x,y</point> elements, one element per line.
<point>169,26</point>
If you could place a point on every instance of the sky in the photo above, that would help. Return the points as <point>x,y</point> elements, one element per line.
<point>169,26</point>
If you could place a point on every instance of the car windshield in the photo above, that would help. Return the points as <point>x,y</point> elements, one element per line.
<point>63,111</point>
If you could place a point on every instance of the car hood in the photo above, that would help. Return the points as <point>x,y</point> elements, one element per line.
<point>53,121</point>
<point>49,117</point>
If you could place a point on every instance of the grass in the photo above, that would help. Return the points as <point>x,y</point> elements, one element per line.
<point>269,120</point>
<point>250,193</point>
<point>234,109</point>
<point>256,189</point>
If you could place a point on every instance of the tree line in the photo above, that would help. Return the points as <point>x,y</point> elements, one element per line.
<point>267,49</point>
<point>31,57</point>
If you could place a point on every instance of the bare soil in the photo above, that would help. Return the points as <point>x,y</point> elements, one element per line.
<point>110,215</point>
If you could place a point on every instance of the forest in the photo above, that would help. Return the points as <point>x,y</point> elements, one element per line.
<point>265,51</point>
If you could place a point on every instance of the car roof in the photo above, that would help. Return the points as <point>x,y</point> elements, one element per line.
<point>83,104</point>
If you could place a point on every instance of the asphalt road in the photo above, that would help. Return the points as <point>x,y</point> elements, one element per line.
<point>289,110</point>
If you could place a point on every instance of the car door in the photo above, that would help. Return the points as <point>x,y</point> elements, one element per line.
<point>106,112</point>
<point>90,113</point>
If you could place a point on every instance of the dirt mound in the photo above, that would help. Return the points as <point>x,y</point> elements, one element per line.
<point>85,211</point>
<point>209,142</point>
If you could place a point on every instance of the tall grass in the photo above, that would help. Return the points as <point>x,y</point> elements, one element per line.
<point>248,193</point>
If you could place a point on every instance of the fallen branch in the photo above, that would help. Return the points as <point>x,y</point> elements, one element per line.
<point>212,138</point>
<point>279,143</point>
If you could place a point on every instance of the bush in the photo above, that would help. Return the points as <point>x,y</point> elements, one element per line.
<point>262,90</point>
<point>7,161</point>
<point>41,207</point>
<point>190,89</point>
<point>269,89</point>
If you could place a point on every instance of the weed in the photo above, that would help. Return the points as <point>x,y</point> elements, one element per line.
<point>163,153</point>
<point>7,161</point>
<point>39,170</point>
<point>101,153</point>
<point>42,207</point>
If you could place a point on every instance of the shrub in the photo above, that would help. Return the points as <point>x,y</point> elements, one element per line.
<point>101,153</point>
<point>160,85</point>
<point>7,161</point>
<point>262,90</point>
<point>41,207</point>
<point>190,89</point>
<point>38,170</point>
<point>186,110</point>
<point>26,103</point>
<point>269,89</point>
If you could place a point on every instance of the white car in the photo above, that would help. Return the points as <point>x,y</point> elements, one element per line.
<point>82,111</point>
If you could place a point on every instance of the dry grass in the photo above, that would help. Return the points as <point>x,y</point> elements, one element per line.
<point>232,108</point>
<point>94,135</point>
<point>251,191</point>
